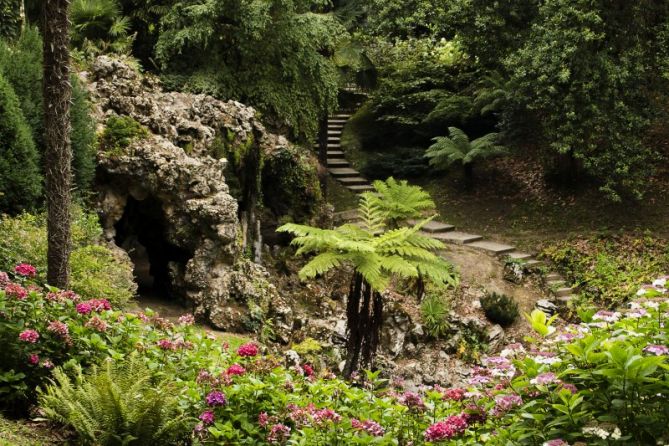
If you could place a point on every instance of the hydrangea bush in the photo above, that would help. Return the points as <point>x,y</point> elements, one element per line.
<point>597,383</point>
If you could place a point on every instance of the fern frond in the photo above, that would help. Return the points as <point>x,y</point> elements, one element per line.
<point>320,264</point>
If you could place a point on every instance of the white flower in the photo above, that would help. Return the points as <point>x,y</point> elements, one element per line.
<point>660,283</point>
<point>616,434</point>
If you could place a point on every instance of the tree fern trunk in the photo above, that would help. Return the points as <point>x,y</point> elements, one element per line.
<point>469,175</point>
<point>354,341</point>
<point>57,98</point>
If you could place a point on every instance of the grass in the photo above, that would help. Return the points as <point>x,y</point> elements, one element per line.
<point>26,433</point>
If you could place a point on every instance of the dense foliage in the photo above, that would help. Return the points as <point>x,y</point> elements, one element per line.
<point>594,382</point>
<point>272,55</point>
<point>96,270</point>
<point>20,177</point>
<point>21,63</point>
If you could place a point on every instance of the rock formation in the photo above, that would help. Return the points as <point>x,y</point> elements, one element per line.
<point>167,194</point>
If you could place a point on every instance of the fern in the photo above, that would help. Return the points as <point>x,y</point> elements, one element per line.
<point>116,404</point>
<point>399,201</point>
<point>457,147</point>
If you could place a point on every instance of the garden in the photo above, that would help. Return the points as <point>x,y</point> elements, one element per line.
<point>346,222</point>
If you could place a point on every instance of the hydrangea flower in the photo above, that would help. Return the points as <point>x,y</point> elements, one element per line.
<point>308,370</point>
<point>278,434</point>
<point>248,350</point>
<point>207,417</point>
<point>15,290</point>
<point>4,278</point>
<point>166,344</point>
<point>656,350</point>
<point>30,336</point>
<point>325,415</point>
<point>58,328</point>
<point>606,316</point>
<point>556,442</point>
<point>544,379</point>
<point>187,319</point>
<point>216,398</point>
<point>412,400</point>
<point>263,419</point>
<point>235,369</point>
<point>84,308</point>
<point>33,359</point>
<point>97,324</point>
<point>451,427</point>
<point>25,270</point>
<point>370,426</point>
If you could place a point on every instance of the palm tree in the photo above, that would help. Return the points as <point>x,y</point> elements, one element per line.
<point>376,254</point>
<point>100,25</point>
<point>457,147</point>
<point>57,98</point>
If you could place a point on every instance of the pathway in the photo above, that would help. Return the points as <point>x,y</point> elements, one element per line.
<point>339,167</point>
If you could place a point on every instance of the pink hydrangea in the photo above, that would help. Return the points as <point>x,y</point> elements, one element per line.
<point>308,370</point>
<point>84,308</point>
<point>47,364</point>
<point>58,328</point>
<point>248,350</point>
<point>4,278</point>
<point>504,403</point>
<point>326,415</point>
<point>207,417</point>
<point>30,336</point>
<point>166,344</point>
<point>100,305</point>
<point>370,426</point>
<point>451,427</point>
<point>412,400</point>
<point>97,324</point>
<point>33,359</point>
<point>235,369</point>
<point>278,434</point>
<point>544,379</point>
<point>656,350</point>
<point>263,419</point>
<point>556,442</point>
<point>15,290</point>
<point>25,270</point>
<point>454,394</point>
<point>187,319</point>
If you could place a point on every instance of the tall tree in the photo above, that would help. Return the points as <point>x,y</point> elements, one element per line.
<point>57,97</point>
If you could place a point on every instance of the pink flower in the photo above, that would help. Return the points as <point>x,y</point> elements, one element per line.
<point>207,417</point>
<point>84,308</point>
<point>166,344</point>
<point>606,316</point>
<point>216,398</point>
<point>263,419</point>
<point>556,442</point>
<point>100,305</point>
<point>4,278</point>
<point>29,336</point>
<point>33,359</point>
<point>278,434</point>
<point>58,328</point>
<point>325,415</point>
<point>448,428</point>
<point>656,350</point>
<point>544,379</point>
<point>187,319</point>
<point>25,270</point>
<point>308,371</point>
<point>412,400</point>
<point>504,403</point>
<point>235,369</point>
<point>47,364</point>
<point>16,290</point>
<point>97,324</point>
<point>454,394</point>
<point>248,350</point>
<point>371,427</point>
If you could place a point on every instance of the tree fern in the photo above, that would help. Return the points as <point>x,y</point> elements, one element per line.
<point>399,201</point>
<point>115,404</point>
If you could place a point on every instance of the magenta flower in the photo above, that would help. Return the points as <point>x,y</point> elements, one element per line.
<point>454,394</point>
<point>84,308</point>
<point>504,403</point>
<point>370,426</point>
<point>656,350</point>
<point>187,319</point>
<point>25,270</point>
<point>33,359</point>
<point>16,290</point>
<point>99,305</point>
<point>30,336</point>
<point>325,415</point>
<point>58,328</point>
<point>308,370</point>
<point>166,344</point>
<point>216,398</point>
<point>235,369</point>
<point>448,428</point>
<point>278,434</point>
<point>248,350</point>
<point>412,400</point>
<point>263,419</point>
<point>207,417</point>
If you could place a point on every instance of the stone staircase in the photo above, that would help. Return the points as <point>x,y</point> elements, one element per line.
<point>339,167</point>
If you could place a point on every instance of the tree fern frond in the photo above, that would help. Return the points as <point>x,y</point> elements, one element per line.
<point>320,264</point>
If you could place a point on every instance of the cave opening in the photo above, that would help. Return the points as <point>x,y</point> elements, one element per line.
<point>157,262</point>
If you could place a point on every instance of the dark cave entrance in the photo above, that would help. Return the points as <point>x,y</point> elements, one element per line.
<point>158,264</point>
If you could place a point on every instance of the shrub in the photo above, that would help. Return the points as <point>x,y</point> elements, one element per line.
<point>21,63</point>
<point>96,270</point>
<point>499,308</point>
<point>119,133</point>
<point>434,312</point>
<point>20,178</point>
<point>117,403</point>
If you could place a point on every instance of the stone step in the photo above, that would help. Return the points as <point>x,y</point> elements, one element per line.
<point>335,125</point>
<point>349,215</point>
<point>334,139</point>
<point>533,263</point>
<point>333,146</point>
<point>566,299</point>
<point>353,181</point>
<point>336,154</point>
<point>564,291</point>
<point>337,162</point>
<point>433,227</point>
<point>343,116</point>
<point>344,172</point>
<point>493,247</point>
<point>359,188</point>
<point>334,132</point>
<point>554,276</point>
<point>517,255</point>
<point>457,237</point>
<point>555,283</point>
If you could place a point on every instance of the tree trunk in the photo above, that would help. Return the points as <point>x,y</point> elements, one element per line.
<point>22,15</point>
<point>364,311</point>
<point>57,98</point>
